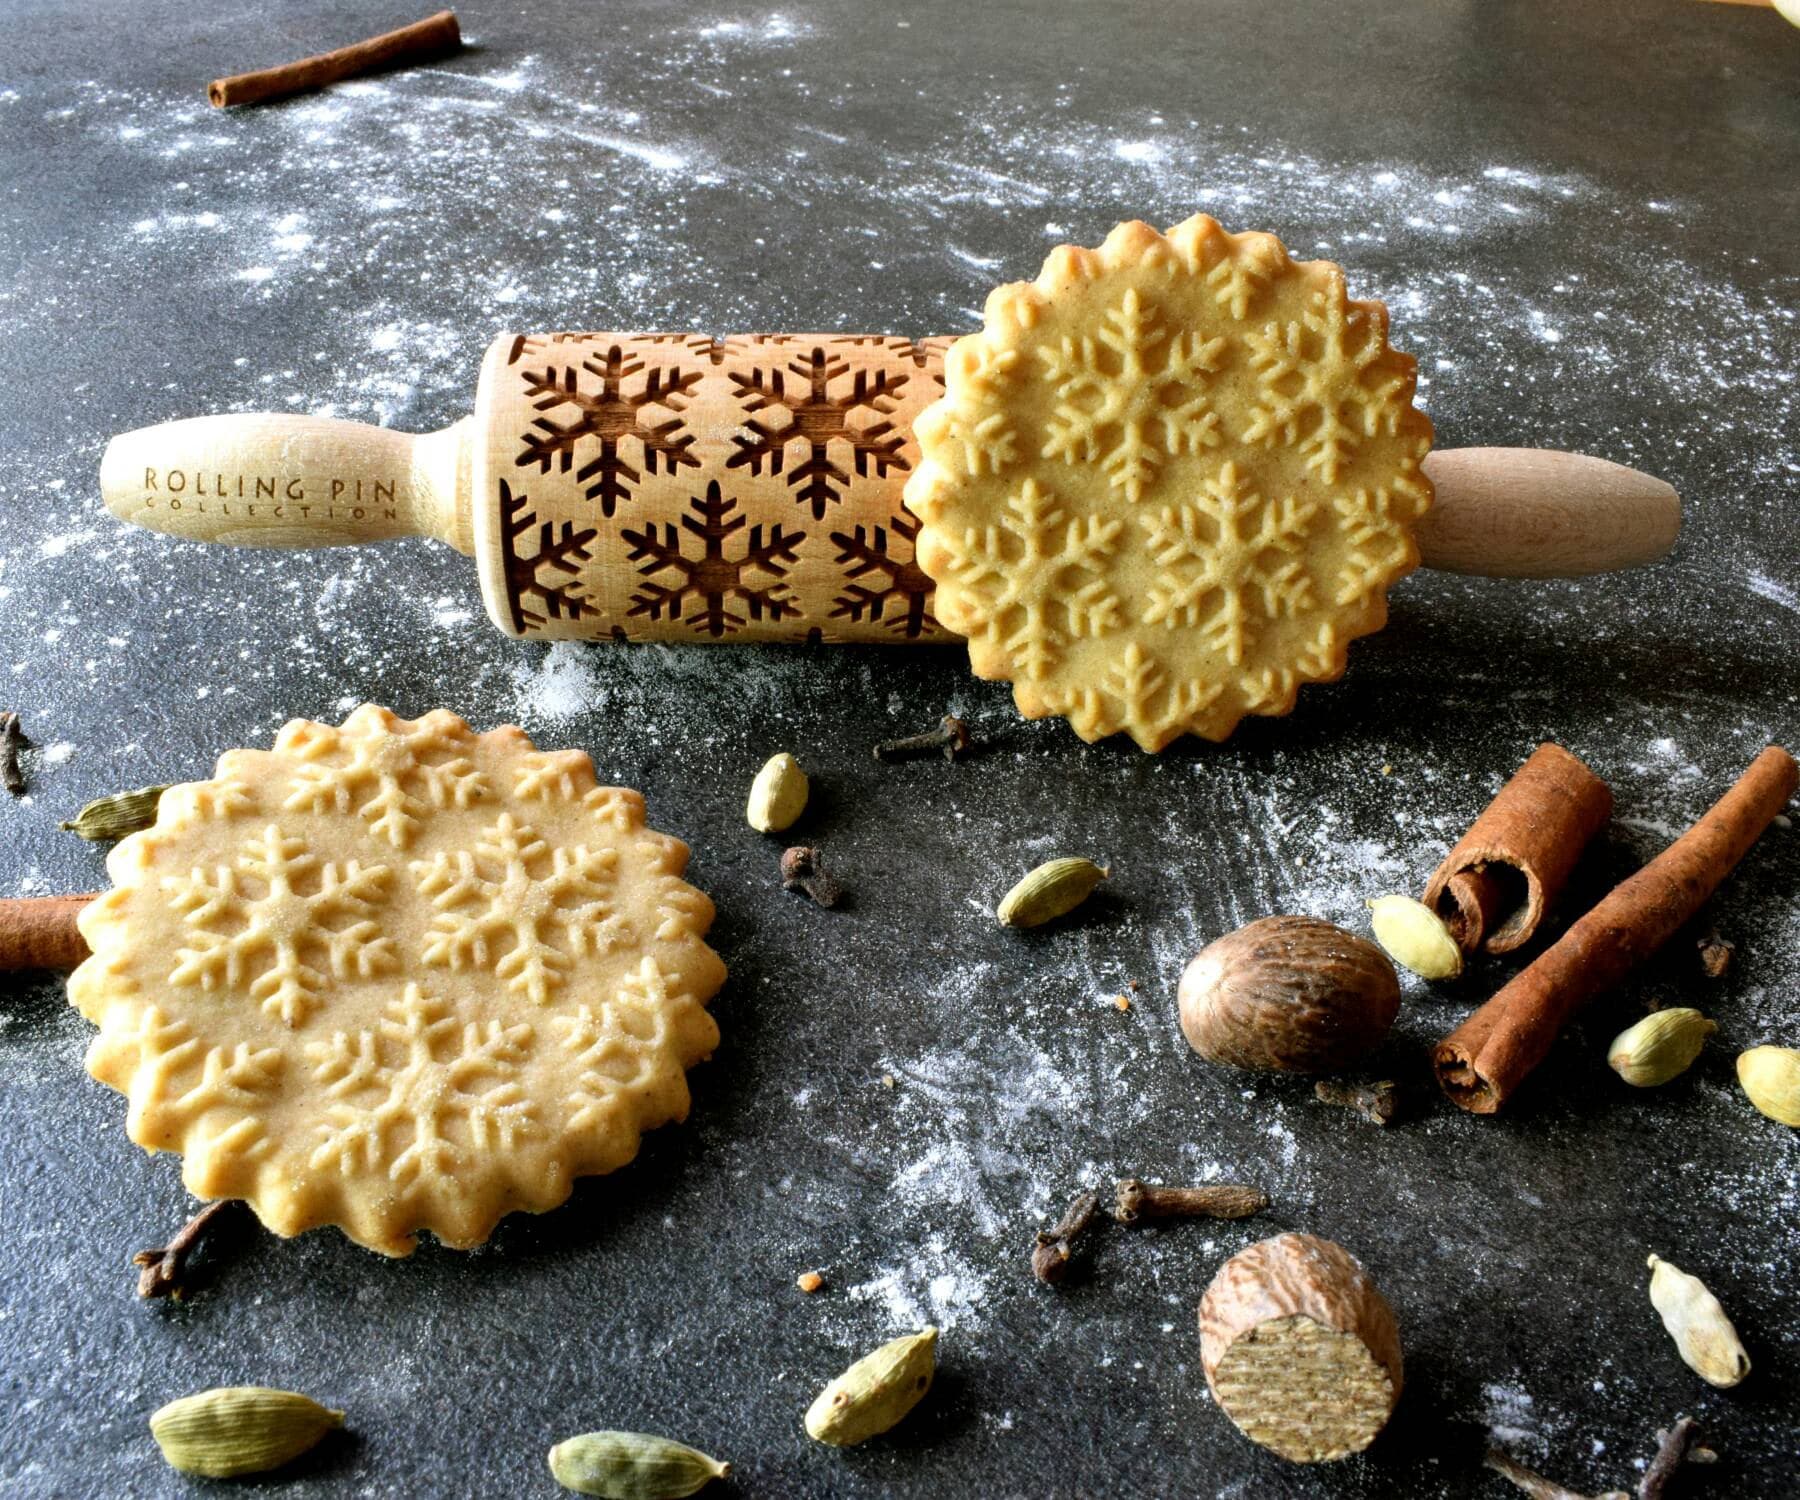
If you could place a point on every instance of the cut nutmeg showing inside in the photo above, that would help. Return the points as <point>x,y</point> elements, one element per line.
<point>1299,1348</point>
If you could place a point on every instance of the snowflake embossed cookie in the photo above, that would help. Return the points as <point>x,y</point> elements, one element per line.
<point>1170,481</point>
<point>397,976</point>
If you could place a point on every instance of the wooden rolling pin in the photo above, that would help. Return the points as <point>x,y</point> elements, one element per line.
<point>678,487</point>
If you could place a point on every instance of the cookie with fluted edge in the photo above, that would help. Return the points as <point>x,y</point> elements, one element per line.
<point>1170,481</point>
<point>397,976</point>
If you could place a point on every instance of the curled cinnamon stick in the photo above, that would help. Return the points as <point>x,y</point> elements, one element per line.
<point>1493,888</point>
<point>435,36</point>
<point>1489,1055</point>
<point>39,932</point>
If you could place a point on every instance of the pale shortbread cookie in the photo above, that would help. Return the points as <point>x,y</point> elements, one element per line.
<point>1170,481</point>
<point>397,976</point>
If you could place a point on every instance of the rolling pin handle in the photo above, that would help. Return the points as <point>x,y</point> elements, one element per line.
<point>1538,513</point>
<point>276,479</point>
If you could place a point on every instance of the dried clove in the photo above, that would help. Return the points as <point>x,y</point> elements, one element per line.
<point>950,737</point>
<point>1674,1446</point>
<point>1534,1484</point>
<point>164,1268</point>
<point>1052,1249</point>
<point>802,870</point>
<point>12,741</point>
<point>1715,954</point>
<point>1378,1103</point>
<point>1134,1201</point>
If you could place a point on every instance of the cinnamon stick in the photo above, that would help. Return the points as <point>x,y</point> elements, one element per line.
<point>1494,887</point>
<point>1485,1059</point>
<point>39,932</point>
<point>435,36</point>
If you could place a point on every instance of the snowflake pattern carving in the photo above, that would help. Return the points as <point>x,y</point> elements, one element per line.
<point>400,1064</point>
<point>611,421</point>
<point>900,597</point>
<point>707,585</point>
<point>544,585</point>
<point>1242,421</point>
<point>818,423</point>
<point>791,425</point>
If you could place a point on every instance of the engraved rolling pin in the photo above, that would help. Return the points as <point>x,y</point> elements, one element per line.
<point>1171,444</point>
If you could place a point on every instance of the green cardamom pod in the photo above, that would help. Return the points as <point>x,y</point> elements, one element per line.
<point>777,796</point>
<point>1050,891</point>
<point>875,1392</point>
<point>1415,937</point>
<point>1703,1334</point>
<point>115,816</point>
<point>1659,1047</point>
<point>632,1466</point>
<point>239,1429</point>
<point>1770,1077</point>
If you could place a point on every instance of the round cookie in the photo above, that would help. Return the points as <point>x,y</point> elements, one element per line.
<point>397,976</point>
<point>1169,481</point>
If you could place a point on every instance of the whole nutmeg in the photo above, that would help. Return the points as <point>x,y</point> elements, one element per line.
<point>1294,994</point>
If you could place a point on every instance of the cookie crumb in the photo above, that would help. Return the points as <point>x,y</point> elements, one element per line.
<point>809,1282</point>
<point>1387,770</point>
<point>1123,1002</point>
<point>887,1080</point>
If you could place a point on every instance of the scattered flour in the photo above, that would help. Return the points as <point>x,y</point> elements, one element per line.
<point>409,259</point>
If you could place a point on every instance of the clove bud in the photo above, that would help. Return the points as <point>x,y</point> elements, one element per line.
<point>803,871</point>
<point>1135,1201</point>
<point>1378,1103</point>
<point>1055,1247</point>
<point>951,736</point>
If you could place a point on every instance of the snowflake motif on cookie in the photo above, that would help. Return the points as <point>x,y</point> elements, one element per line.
<point>617,1046</point>
<point>1231,423</point>
<point>390,780</point>
<point>520,908</point>
<point>418,1043</point>
<point>1227,561</point>
<point>412,1097</point>
<point>1130,395</point>
<point>210,1098</point>
<point>1034,582</point>
<point>1322,385</point>
<point>254,924</point>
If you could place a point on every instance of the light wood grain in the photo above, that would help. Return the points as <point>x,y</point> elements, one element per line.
<point>275,479</point>
<point>677,487</point>
<point>1538,513</point>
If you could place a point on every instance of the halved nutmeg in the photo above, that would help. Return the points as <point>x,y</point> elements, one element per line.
<point>1300,1349</point>
<point>1293,994</point>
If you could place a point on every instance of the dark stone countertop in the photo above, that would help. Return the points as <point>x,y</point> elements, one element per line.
<point>1584,221</point>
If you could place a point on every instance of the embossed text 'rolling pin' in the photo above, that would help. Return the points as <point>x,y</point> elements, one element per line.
<point>1168,457</point>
